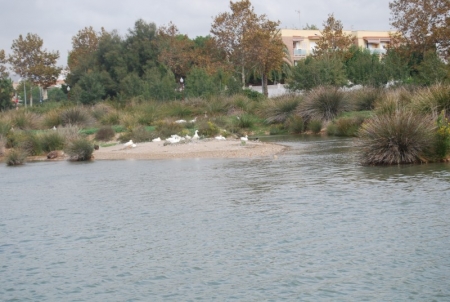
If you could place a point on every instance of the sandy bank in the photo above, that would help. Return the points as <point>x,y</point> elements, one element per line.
<point>195,149</point>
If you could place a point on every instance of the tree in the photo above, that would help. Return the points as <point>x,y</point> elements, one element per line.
<point>6,93</point>
<point>31,62</point>
<point>333,39</point>
<point>84,44</point>
<point>250,41</point>
<point>229,30</point>
<point>365,68</point>
<point>422,25</point>
<point>310,27</point>
<point>3,70</point>
<point>176,51</point>
<point>264,42</point>
<point>315,71</point>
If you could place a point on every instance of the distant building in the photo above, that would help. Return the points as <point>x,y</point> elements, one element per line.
<point>302,43</point>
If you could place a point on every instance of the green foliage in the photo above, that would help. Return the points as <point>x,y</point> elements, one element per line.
<point>208,128</point>
<point>52,119</point>
<point>177,109</point>
<point>345,126</point>
<point>432,99</point>
<point>400,137</point>
<point>165,129</point>
<point>26,141</point>
<point>6,93</point>
<point>253,95</point>
<point>159,84</point>
<point>137,134</point>
<point>56,95</point>
<point>442,140</point>
<point>200,84</point>
<point>89,89</point>
<point>295,124</point>
<point>324,103</point>
<point>246,121</point>
<point>432,70</point>
<point>365,68</point>
<point>105,133</point>
<point>16,157</point>
<point>79,149</point>
<point>317,71</point>
<point>315,125</point>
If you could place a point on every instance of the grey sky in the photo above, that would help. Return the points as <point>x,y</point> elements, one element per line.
<point>57,21</point>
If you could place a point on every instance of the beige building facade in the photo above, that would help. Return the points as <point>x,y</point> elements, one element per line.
<point>302,43</point>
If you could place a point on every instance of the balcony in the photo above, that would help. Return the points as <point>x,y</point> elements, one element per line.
<point>300,52</point>
<point>377,51</point>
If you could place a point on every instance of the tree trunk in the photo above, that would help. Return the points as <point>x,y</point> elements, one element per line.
<point>243,77</point>
<point>31,96</point>
<point>265,91</point>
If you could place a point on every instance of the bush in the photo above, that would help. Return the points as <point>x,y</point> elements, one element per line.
<point>398,138</point>
<point>165,129</point>
<point>25,120</point>
<point>295,124</point>
<point>52,119</point>
<point>392,101</point>
<point>278,110</point>
<point>442,140</point>
<point>105,133</point>
<point>208,128</point>
<point>51,140</point>
<point>433,99</point>
<point>324,103</point>
<point>245,121</point>
<point>345,126</point>
<point>75,116</point>
<point>27,141</point>
<point>364,98</point>
<point>79,149</point>
<point>315,126</point>
<point>16,157</point>
<point>2,145</point>
<point>110,118</point>
<point>138,134</point>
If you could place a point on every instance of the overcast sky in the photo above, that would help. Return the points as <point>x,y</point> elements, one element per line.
<point>57,21</point>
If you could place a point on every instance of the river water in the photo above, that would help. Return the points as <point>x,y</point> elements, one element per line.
<point>309,225</point>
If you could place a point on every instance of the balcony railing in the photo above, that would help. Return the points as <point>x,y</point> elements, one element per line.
<point>299,52</point>
<point>377,51</point>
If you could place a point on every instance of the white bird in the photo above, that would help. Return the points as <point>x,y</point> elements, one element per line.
<point>220,138</point>
<point>54,128</point>
<point>173,139</point>
<point>196,135</point>
<point>193,121</point>
<point>133,146</point>
<point>129,144</point>
<point>245,138</point>
<point>188,137</point>
<point>158,139</point>
<point>180,121</point>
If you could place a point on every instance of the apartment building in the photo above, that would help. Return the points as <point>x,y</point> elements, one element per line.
<point>302,43</point>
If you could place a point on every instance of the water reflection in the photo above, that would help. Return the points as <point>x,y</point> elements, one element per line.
<point>311,225</point>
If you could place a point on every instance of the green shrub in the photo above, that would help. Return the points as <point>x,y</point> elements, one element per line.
<point>5,127</point>
<point>52,119</point>
<point>253,95</point>
<point>295,124</point>
<point>110,118</point>
<point>245,121</point>
<point>100,110</point>
<point>324,103</point>
<point>2,145</point>
<point>432,99</point>
<point>442,139</point>
<point>165,129</point>
<point>393,101</point>
<point>79,149</point>
<point>51,140</point>
<point>208,128</point>
<point>315,126</point>
<point>16,157</point>
<point>105,133</point>
<point>345,126</point>
<point>277,129</point>
<point>398,138</point>
<point>27,141</point>
<point>177,109</point>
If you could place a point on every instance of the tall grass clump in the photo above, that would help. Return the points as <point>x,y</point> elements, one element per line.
<point>25,120</point>
<point>314,125</point>
<point>402,137</point>
<point>278,110</point>
<point>177,109</point>
<point>166,128</point>
<point>138,135</point>
<point>2,145</point>
<point>345,126</point>
<point>105,133</point>
<point>295,124</point>
<point>27,141</point>
<point>393,101</point>
<point>365,98</point>
<point>442,141</point>
<point>16,157</point>
<point>324,103</point>
<point>52,119</point>
<point>100,110</point>
<point>75,116</point>
<point>51,140</point>
<point>432,99</point>
<point>79,149</point>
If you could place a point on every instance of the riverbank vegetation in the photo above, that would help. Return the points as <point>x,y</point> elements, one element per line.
<point>156,82</point>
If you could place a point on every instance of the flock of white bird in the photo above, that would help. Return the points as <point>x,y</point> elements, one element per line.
<point>173,139</point>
